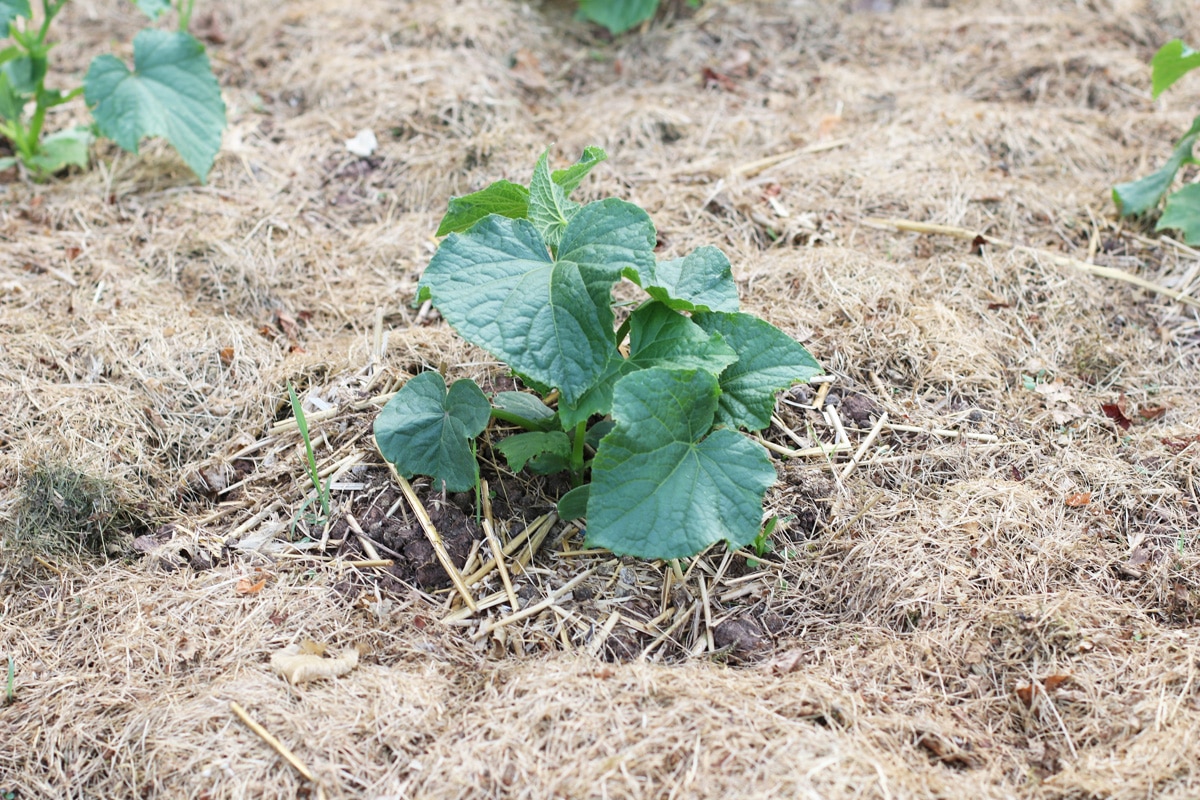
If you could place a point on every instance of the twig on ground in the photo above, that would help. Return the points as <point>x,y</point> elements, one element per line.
<point>866,443</point>
<point>435,539</point>
<point>275,744</point>
<point>1083,266</point>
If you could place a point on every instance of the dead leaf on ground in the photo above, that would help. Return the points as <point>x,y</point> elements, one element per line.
<point>1117,412</point>
<point>1078,500</point>
<point>711,78</point>
<point>1152,412</point>
<point>305,661</point>
<point>1025,691</point>
<point>248,585</point>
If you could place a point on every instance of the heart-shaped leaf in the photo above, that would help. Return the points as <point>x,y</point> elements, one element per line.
<point>548,318</point>
<point>171,92</point>
<point>662,485</point>
<point>427,430</point>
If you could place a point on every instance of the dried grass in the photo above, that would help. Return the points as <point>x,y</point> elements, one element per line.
<point>938,622</point>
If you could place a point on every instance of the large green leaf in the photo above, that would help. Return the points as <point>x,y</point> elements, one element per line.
<point>700,281</point>
<point>549,209</point>
<point>10,10</point>
<point>1183,212</point>
<point>1138,197</point>
<point>1172,61</point>
<point>171,92</point>
<point>658,337</point>
<point>427,430</point>
<point>506,199</point>
<point>570,177</point>
<point>661,488</point>
<point>768,360</point>
<point>549,319</point>
<point>618,15</point>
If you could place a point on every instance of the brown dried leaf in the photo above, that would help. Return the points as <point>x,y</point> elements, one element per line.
<point>1152,412</point>
<point>248,585</point>
<point>1078,500</point>
<point>1116,412</point>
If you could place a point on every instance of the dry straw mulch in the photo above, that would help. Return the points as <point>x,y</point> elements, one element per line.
<point>989,589</point>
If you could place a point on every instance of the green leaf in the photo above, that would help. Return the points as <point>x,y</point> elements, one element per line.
<point>67,147</point>
<point>506,199</point>
<point>7,162</point>
<point>700,281</point>
<point>25,72</point>
<point>1138,197</point>
<point>768,360</point>
<point>1172,61</point>
<point>573,504</point>
<point>618,15</point>
<point>153,8</point>
<point>525,406</point>
<point>10,10</point>
<point>549,319</point>
<point>1183,213</point>
<point>658,337</point>
<point>521,447</point>
<point>661,487</point>
<point>426,430</point>
<point>571,177</point>
<point>11,105</point>
<point>549,209</point>
<point>170,93</point>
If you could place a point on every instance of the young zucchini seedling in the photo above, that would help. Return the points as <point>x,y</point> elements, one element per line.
<point>527,275</point>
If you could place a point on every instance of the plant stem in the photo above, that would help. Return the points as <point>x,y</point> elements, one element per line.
<point>577,454</point>
<point>515,419</point>
<point>185,14</point>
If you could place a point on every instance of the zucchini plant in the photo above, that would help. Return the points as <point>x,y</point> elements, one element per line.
<point>170,92</point>
<point>646,416</point>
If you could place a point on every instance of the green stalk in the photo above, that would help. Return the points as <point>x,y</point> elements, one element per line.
<point>185,14</point>
<point>515,419</point>
<point>577,454</point>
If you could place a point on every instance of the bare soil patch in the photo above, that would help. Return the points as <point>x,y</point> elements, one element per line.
<point>998,599</point>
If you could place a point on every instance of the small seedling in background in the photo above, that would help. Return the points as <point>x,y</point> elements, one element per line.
<point>621,15</point>
<point>171,92</point>
<point>762,543</point>
<point>10,693</point>
<point>322,492</point>
<point>1182,210</point>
